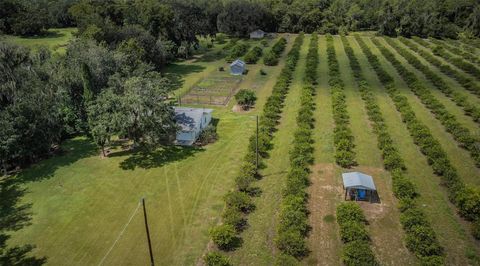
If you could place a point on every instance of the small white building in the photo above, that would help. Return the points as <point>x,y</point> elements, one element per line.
<point>258,34</point>
<point>237,67</point>
<point>192,121</point>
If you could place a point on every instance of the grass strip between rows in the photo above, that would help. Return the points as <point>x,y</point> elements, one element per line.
<point>460,99</point>
<point>293,227</point>
<point>343,137</point>
<point>460,133</point>
<point>466,82</point>
<point>465,197</point>
<point>454,60</point>
<point>421,239</point>
<point>239,202</point>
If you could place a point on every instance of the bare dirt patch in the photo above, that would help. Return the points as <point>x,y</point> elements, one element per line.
<point>325,192</point>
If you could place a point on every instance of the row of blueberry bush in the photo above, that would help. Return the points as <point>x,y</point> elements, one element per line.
<point>271,57</point>
<point>421,238</point>
<point>454,60</point>
<point>465,197</point>
<point>293,226</point>
<point>457,51</point>
<point>467,82</point>
<point>460,133</point>
<point>253,55</point>
<point>343,137</point>
<point>239,203</point>
<point>460,99</point>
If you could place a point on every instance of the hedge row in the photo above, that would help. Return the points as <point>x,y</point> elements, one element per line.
<point>239,202</point>
<point>343,137</point>
<point>454,60</point>
<point>403,188</point>
<point>353,232</point>
<point>293,226</point>
<point>466,198</point>
<point>456,51</point>
<point>458,131</point>
<point>238,50</point>
<point>271,57</point>
<point>467,82</point>
<point>460,99</point>
<point>253,55</point>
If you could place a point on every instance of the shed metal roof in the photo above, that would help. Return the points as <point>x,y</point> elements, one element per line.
<point>238,62</point>
<point>188,118</point>
<point>358,180</point>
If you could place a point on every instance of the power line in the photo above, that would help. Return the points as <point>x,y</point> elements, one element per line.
<point>121,233</point>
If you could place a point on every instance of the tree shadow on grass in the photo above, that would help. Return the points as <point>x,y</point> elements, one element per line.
<point>151,159</point>
<point>176,73</point>
<point>13,217</point>
<point>71,151</point>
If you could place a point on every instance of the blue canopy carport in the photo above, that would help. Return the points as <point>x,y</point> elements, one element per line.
<point>358,186</point>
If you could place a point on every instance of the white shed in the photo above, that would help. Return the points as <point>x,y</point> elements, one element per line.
<point>258,34</point>
<point>192,121</point>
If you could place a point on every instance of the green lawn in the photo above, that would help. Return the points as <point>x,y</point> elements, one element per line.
<point>81,202</point>
<point>259,247</point>
<point>56,40</point>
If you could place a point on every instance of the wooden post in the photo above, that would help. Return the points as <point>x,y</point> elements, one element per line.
<point>152,262</point>
<point>256,147</point>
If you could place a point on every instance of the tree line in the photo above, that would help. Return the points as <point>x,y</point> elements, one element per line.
<point>181,20</point>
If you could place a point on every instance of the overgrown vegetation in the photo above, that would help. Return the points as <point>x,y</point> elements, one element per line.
<point>465,197</point>
<point>343,138</point>
<point>402,187</point>
<point>293,226</point>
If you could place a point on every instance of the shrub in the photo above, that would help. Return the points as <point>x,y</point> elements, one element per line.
<point>208,135</point>
<point>292,243</point>
<point>220,38</point>
<point>353,231</point>
<point>233,217</point>
<point>221,69</point>
<point>270,59</point>
<point>476,229</point>
<point>253,55</point>
<point>245,98</point>
<point>240,201</point>
<point>349,212</point>
<point>358,253</point>
<point>215,258</point>
<point>264,43</point>
<point>225,237</point>
<point>422,239</point>
<point>285,260</point>
<point>262,72</point>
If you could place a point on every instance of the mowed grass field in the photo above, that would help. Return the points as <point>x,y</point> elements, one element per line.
<point>81,203</point>
<point>55,40</point>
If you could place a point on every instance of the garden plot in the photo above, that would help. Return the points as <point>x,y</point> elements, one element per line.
<point>214,90</point>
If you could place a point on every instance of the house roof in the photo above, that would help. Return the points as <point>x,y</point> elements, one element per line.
<point>188,118</point>
<point>237,62</point>
<point>258,31</point>
<point>358,180</point>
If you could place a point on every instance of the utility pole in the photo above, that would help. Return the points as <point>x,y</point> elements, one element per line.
<point>152,263</point>
<point>256,146</point>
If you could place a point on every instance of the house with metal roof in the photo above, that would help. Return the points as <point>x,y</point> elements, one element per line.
<point>258,34</point>
<point>237,67</point>
<point>358,186</point>
<point>191,123</point>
